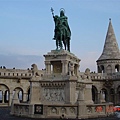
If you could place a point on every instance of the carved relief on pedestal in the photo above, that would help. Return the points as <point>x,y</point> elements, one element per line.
<point>53,94</point>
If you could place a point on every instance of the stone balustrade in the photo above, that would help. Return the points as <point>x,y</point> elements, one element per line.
<point>61,111</point>
<point>100,110</point>
<point>17,73</point>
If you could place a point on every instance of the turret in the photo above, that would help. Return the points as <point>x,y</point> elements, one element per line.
<point>109,61</point>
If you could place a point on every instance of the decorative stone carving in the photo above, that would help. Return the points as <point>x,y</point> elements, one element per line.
<point>63,110</point>
<point>34,70</point>
<point>71,69</point>
<point>72,110</point>
<point>53,110</point>
<point>87,71</point>
<point>53,94</point>
<point>89,110</point>
<point>108,83</point>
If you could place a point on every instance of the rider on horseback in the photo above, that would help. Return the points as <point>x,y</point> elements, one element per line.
<point>64,21</point>
<point>62,31</point>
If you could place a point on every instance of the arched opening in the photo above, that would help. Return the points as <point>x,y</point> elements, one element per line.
<point>1,95</point>
<point>117,68</point>
<point>105,94</point>
<point>20,93</point>
<point>94,94</point>
<point>101,69</point>
<point>4,94</point>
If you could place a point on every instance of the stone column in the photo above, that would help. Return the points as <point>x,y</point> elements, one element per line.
<point>115,96</point>
<point>64,67</point>
<point>3,97</point>
<point>70,90</point>
<point>15,100</point>
<point>10,98</point>
<point>113,68</point>
<point>98,97</point>
<point>88,94</point>
<point>35,91</point>
<point>82,110</point>
<point>78,70</point>
<point>48,67</point>
<point>25,97</point>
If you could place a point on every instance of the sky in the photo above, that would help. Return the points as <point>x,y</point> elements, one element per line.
<point>27,29</point>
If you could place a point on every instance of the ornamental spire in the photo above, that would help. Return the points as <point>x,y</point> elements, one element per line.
<point>111,49</point>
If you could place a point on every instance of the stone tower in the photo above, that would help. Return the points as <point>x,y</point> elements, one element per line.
<point>109,61</point>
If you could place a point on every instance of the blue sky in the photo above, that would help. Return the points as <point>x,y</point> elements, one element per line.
<point>27,27</point>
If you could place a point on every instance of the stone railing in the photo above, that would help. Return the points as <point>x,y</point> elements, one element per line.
<point>15,73</point>
<point>61,111</point>
<point>104,76</point>
<point>100,110</point>
<point>22,109</point>
<point>46,111</point>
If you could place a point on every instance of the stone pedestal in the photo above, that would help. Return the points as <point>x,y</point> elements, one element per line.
<point>61,62</point>
<point>35,90</point>
<point>70,90</point>
<point>82,110</point>
<point>65,65</point>
<point>88,94</point>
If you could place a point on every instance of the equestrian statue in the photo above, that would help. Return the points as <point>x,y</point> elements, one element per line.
<point>62,33</point>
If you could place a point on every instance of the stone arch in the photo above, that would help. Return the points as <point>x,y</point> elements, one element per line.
<point>109,69</point>
<point>105,94</point>
<point>4,93</point>
<point>101,69</point>
<point>20,93</point>
<point>94,94</point>
<point>112,92</point>
<point>117,68</point>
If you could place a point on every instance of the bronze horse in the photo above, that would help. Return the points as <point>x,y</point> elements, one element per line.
<point>61,34</point>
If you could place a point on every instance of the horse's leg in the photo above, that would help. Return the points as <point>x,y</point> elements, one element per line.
<point>65,43</point>
<point>64,39</point>
<point>61,41</point>
<point>68,44</point>
<point>56,44</point>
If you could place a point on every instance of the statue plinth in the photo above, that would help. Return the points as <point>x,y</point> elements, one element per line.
<point>61,62</point>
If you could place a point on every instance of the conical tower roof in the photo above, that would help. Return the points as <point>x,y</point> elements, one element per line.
<point>111,49</point>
